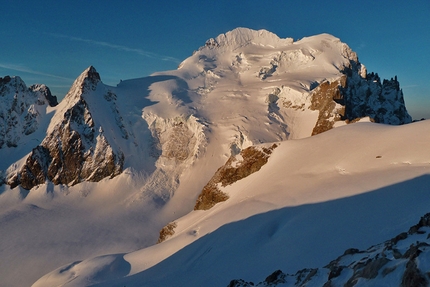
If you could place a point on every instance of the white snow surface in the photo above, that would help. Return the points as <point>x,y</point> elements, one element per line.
<point>353,186</point>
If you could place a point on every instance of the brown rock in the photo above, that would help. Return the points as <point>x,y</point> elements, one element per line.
<point>252,160</point>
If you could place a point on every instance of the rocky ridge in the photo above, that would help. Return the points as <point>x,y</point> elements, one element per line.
<point>355,95</point>
<point>21,109</point>
<point>400,261</point>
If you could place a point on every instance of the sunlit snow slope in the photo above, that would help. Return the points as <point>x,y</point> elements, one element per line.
<point>354,186</point>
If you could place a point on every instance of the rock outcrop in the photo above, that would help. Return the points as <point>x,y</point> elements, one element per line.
<point>325,99</point>
<point>237,167</point>
<point>400,261</point>
<point>167,231</point>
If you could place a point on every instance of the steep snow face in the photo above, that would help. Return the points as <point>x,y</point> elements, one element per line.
<point>176,143</point>
<point>21,109</point>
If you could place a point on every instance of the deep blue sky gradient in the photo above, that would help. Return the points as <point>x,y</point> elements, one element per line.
<point>52,42</point>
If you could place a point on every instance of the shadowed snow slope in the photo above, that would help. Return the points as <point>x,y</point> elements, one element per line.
<point>400,261</point>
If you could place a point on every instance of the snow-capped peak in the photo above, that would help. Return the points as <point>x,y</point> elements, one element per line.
<point>89,75</point>
<point>86,81</point>
<point>81,140</point>
<point>15,81</point>
<point>240,37</point>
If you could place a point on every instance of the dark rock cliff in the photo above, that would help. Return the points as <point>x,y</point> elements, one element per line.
<point>356,95</point>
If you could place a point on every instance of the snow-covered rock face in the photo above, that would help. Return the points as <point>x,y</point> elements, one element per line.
<point>76,148</point>
<point>21,109</point>
<point>176,142</point>
<point>307,85</point>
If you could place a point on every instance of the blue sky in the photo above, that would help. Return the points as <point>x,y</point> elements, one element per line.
<point>52,42</point>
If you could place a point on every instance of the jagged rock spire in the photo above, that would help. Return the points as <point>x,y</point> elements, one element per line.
<point>87,81</point>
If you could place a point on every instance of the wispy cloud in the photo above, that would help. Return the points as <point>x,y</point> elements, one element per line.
<point>119,48</point>
<point>24,69</point>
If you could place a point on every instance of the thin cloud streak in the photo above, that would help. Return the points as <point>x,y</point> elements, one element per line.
<point>120,48</point>
<point>410,86</point>
<point>30,71</point>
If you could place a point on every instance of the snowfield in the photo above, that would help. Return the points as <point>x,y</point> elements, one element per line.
<point>353,186</point>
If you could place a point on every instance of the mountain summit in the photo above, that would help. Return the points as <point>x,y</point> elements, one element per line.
<point>318,73</point>
<point>241,37</point>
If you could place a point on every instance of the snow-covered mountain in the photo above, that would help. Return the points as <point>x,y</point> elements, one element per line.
<point>267,89</point>
<point>21,109</point>
<point>76,147</point>
<point>109,167</point>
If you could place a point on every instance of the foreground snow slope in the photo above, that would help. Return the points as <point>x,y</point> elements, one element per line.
<point>354,186</point>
